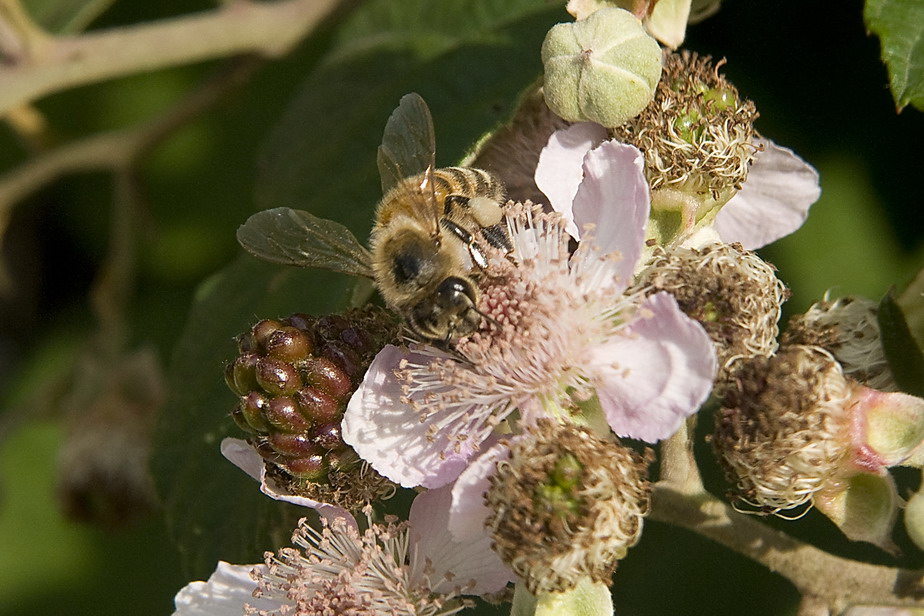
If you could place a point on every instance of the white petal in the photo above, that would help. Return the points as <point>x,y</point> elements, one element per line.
<point>774,200</point>
<point>472,560</point>
<point>245,457</point>
<point>560,171</point>
<point>388,433</point>
<point>657,373</point>
<point>614,200</point>
<point>469,512</point>
<point>225,593</point>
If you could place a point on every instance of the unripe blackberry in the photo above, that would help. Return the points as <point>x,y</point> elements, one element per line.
<point>294,377</point>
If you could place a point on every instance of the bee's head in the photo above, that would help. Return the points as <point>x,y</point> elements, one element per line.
<point>449,312</point>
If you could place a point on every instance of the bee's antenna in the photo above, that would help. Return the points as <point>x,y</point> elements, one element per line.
<point>488,318</point>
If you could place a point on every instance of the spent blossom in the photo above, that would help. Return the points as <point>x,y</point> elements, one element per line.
<point>560,334</point>
<point>794,431</point>
<point>563,505</point>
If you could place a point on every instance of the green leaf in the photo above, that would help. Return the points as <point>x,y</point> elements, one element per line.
<point>902,351</point>
<point>66,16</point>
<point>898,24</point>
<point>213,510</point>
<point>469,59</point>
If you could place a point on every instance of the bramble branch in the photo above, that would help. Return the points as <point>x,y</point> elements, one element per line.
<point>46,64</point>
<point>819,576</point>
<point>119,148</point>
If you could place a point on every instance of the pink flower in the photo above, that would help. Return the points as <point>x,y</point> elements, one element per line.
<point>773,202</point>
<point>561,338</point>
<point>407,569</point>
<point>245,457</point>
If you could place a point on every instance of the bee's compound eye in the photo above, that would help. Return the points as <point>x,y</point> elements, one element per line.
<point>455,292</point>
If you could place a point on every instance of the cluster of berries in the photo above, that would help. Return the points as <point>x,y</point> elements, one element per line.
<point>295,376</point>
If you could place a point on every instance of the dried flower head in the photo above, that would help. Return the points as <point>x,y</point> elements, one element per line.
<point>784,428</point>
<point>103,467</point>
<point>566,505</point>
<point>848,328</point>
<point>733,293</point>
<point>697,133</point>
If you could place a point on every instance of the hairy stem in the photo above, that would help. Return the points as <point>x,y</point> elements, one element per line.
<point>678,465</point>
<point>269,29</point>
<point>828,580</point>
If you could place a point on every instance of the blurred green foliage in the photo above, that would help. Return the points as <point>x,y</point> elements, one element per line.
<point>303,133</point>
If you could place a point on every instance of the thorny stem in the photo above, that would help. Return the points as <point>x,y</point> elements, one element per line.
<point>825,579</point>
<point>37,64</point>
<point>113,285</point>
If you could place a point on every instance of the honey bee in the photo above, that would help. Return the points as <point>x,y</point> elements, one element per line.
<point>427,246</point>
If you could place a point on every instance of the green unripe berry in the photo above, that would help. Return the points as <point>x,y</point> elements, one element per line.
<point>721,98</point>
<point>311,468</point>
<point>289,344</point>
<point>689,127</point>
<point>284,414</point>
<point>567,473</point>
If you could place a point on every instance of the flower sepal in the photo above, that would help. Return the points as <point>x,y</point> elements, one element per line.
<point>890,427</point>
<point>864,506</point>
<point>588,598</point>
<point>676,215</point>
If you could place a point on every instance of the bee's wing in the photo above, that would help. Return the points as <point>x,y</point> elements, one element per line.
<point>295,237</point>
<point>409,150</point>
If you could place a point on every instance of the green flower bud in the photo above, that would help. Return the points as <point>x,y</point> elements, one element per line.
<point>892,424</point>
<point>603,69</point>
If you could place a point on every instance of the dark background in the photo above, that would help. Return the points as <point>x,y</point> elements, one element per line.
<point>816,79</point>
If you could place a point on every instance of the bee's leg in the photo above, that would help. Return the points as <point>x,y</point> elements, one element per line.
<point>474,250</point>
<point>497,237</point>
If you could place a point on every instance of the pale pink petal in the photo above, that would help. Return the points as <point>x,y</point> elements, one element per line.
<point>245,457</point>
<point>469,561</point>
<point>614,200</point>
<point>560,169</point>
<point>469,512</point>
<point>656,373</point>
<point>225,593</point>
<point>774,200</point>
<point>389,434</point>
